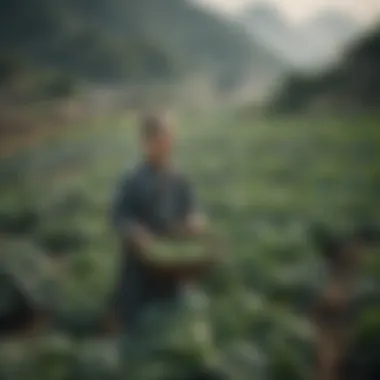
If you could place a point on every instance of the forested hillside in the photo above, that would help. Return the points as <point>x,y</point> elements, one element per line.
<point>136,40</point>
<point>354,84</point>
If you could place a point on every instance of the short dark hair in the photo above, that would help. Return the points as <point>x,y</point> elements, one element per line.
<point>152,124</point>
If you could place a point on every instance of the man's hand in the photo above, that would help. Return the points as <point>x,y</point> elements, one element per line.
<point>111,324</point>
<point>194,226</point>
<point>140,237</point>
<point>335,296</point>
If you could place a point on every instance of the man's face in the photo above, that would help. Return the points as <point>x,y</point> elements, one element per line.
<point>159,147</point>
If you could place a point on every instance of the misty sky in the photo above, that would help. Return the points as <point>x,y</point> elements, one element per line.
<point>300,9</point>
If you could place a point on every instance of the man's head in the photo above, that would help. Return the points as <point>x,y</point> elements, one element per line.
<point>157,137</point>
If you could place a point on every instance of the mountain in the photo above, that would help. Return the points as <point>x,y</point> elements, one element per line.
<point>314,44</point>
<point>80,38</point>
<point>136,40</point>
<point>266,24</point>
<point>332,30</point>
<point>207,41</point>
<point>334,26</point>
<point>352,84</point>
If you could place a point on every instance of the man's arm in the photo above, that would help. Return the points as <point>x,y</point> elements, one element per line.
<point>129,229</point>
<point>124,215</point>
<point>192,222</point>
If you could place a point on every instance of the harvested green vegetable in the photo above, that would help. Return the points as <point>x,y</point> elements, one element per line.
<point>178,250</point>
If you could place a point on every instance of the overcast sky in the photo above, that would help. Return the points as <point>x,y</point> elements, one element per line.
<point>300,9</point>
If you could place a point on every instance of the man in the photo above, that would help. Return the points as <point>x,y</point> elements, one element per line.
<point>155,200</point>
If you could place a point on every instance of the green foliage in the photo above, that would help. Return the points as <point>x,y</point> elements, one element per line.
<point>18,222</point>
<point>27,271</point>
<point>362,360</point>
<point>263,183</point>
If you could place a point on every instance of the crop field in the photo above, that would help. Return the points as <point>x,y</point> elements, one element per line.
<point>261,181</point>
